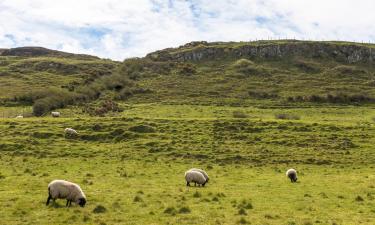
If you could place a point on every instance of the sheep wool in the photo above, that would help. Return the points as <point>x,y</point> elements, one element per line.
<point>63,189</point>
<point>292,175</point>
<point>196,177</point>
<point>55,114</point>
<point>70,131</point>
<point>201,171</point>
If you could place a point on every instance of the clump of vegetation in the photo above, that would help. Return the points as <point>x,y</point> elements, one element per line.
<point>197,195</point>
<point>137,199</point>
<point>184,210</point>
<point>359,198</point>
<point>142,129</point>
<point>187,69</point>
<point>239,114</point>
<point>263,95</point>
<point>339,98</point>
<point>285,116</point>
<point>99,209</point>
<point>248,67</point>
<point>349,70</point>
<point>243,221</point>
<point>170,210</point>
<point>103,108</point>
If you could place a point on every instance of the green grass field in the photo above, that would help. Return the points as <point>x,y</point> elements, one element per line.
<point>131,165</point>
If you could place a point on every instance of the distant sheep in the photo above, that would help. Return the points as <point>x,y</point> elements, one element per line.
<point>55,114</point>
<point>292,175</point>
<point>196,177</point>
<point>66,190</point>
<point>70,131</point>
<point>201,171</point>
<point>19,117</point>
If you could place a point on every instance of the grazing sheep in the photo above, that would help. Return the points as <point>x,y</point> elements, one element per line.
<point>70,131</point>
<point>55,114</point>
<point>19,117</point>
<point>196,177</point>
<point>66,190</point>
<point>292,175</point>
<point>201,171</point>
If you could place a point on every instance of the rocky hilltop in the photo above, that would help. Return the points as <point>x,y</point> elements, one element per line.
<point>345,52</point>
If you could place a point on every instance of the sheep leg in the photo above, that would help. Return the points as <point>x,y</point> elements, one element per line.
<point>187,184</point>
<point>48,199</point>
<point>195,184</point>
<point>68,203</point>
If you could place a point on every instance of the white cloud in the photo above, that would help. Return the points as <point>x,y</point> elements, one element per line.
<point>119,29</point>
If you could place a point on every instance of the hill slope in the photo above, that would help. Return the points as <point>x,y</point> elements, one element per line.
<point>285,72</point>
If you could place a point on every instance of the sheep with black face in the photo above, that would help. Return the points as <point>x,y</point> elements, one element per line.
<point>63,189</point>
<point>292,175</point>
<point>196,177</point>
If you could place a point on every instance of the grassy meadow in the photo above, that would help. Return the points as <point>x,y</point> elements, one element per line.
<point>131,165</point>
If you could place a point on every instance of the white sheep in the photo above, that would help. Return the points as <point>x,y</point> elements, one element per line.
<point>196,177</point>
<point>201,171</point>
<point>19,117</point>
<point>292,175</point>
<point>66,190</point>
<point>55,114</point>
<point>70,131</point>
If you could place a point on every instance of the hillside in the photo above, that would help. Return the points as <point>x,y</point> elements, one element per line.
<point>285,72</point>
<point>272,71</point>
<point>243,112</point>
<point>28,69</point>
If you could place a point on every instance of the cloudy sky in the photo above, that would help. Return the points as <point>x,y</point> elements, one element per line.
<point>120,29</point>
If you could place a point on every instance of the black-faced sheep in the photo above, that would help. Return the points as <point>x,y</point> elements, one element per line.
<point>201,171</point>
<point>66,190</point>
<point>292,175</point>
<point>196,177</point>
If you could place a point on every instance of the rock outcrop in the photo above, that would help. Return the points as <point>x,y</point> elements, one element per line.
<point>198,51</point>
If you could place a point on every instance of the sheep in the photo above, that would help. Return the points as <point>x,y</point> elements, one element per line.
<point>196,177</point>
<point>55,114</point>
<point>19,117</point>
<point>292,175</point>
<point>66,190</point>
<point>70,131</point>
<point>201,171</point>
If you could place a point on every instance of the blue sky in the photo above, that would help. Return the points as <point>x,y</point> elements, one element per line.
<point>119,29</point>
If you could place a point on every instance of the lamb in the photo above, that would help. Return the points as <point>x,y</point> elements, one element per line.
<point>196,177</point>
<point>201,171</point>
<point>292,175</point>
<point>70,131</point>
<point>66,190</point>
<point>55,114</point>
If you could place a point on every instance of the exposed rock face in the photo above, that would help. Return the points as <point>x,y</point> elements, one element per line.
<point>39,51</point>
<point>197,51</point>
